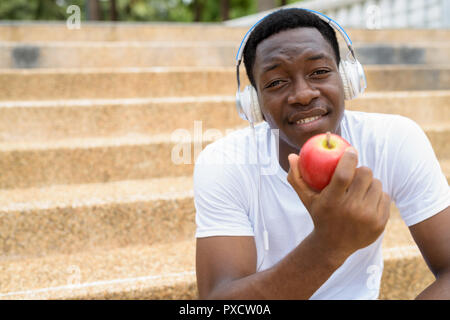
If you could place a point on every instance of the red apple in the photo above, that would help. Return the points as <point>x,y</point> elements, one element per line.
<point>319,157</point>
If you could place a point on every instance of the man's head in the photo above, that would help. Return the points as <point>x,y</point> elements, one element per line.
<point>292,60</point>
<point>283,20</point>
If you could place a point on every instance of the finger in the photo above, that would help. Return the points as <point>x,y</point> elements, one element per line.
<point>304,192</point>
<point>344,172</point>
<point>293,166</point>
<point>384,207</point>
<point>361,183</point>
<point>374,194</point>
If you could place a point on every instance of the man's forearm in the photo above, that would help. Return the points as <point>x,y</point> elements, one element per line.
<point>439,289</point>
<point>297,276</point>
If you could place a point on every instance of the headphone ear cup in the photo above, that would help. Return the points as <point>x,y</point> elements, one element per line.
<point>345,81</point>
<point>353,78</point>
<point>250,105</point>
<point>257,115</point>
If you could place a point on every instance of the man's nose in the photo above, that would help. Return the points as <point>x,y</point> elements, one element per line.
<point>302,92</point>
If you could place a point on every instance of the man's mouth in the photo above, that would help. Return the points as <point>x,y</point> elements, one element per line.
<point>307,120</point>
<point>302,117</point>
<point>315,121</point>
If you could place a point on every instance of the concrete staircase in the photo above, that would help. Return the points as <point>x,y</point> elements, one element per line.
<point>91,205</point>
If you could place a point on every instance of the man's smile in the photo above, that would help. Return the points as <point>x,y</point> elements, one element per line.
<point>310,125</point>
<point>307,116</point>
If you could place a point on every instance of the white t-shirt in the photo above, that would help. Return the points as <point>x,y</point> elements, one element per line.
<point>226,192</point>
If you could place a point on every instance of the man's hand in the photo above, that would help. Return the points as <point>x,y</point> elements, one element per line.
<point>351,212</point>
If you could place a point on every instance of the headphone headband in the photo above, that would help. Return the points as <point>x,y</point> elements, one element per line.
<point>325,18</point>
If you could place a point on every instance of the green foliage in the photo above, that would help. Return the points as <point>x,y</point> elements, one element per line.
<point>17,10</point>
<point>241,8</point>
<point>129,10</point>
<point>36,9</point>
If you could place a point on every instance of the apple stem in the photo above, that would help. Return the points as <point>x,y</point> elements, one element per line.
<point>328,139</point>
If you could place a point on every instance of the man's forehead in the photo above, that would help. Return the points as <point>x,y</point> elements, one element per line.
<point>294,41</point>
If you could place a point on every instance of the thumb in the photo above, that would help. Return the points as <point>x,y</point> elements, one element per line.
<point>305,193</point>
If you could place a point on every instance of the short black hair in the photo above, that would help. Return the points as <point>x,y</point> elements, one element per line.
<point>281,20</point>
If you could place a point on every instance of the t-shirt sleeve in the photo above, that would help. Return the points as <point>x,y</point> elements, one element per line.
<point>220,197</point>
<point>419,187</point>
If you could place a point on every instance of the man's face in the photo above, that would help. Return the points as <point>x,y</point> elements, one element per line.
<point>297,80</point>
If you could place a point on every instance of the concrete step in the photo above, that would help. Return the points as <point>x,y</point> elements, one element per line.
<point>65,219</point>
<point>105,83</point>
<point>179,54</point>
<point>396,36</point>
<point>173,32</point>
<point>47,120</point>
<point>425,107</point>
<point>399,53</point>
<point>164,271</point>
<point>406,273</point>
<point>75,161</point>
<point>71,218</point>
<point>167,271</point>
<point>53,120</point>
<point>132,157</point>
<point>438,135</point>
<point>117,54</point>
<point>125,31</point>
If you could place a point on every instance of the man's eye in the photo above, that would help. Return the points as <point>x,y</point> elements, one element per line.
<point>320,72</point>
<point>273,84</point>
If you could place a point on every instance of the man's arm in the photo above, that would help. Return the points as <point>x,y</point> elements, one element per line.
<point>226,266</point>
<point>433,239</point>
<point>226,269</point>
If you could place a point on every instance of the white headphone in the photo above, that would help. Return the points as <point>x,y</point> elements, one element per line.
<point>351,71</point>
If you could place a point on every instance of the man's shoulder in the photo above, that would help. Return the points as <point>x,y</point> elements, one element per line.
<point>235,144</point>
<point>222,164</point>
<point>380,122</point>
<point>362,116</point>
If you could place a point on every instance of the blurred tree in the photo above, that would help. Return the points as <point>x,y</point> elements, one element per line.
<point>93,10</point>
<point>285,2</point>
<point>198,6</point>
<point>240,8</point>
<point>113,10</point>
<point>225,9</point>
<point>47,9</point>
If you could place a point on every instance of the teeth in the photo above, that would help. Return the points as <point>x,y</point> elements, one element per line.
<point>306,120</point>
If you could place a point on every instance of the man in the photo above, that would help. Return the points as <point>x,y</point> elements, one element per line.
<point>321,244</point>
